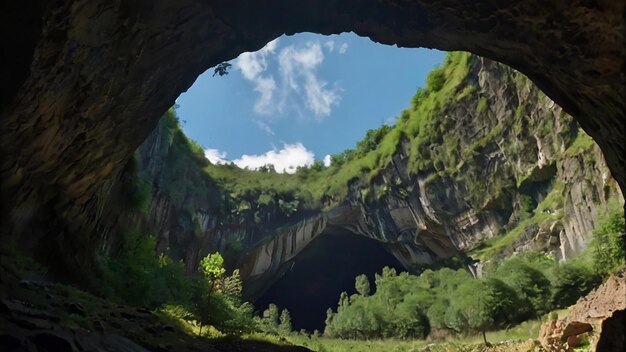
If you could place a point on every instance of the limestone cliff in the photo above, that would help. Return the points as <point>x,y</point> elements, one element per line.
<point>85,82</point>
<point>494,167</point>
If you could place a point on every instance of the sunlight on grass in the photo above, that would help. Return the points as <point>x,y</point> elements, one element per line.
<point>491,247</point>
<point>522,335</point>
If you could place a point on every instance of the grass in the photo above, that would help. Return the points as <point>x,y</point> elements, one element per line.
<point>421,133</point>
<point>493,246</point>
<point>332,183</point>
<point>582,143</point>
<point>553,202</point>
<point>521,335</point>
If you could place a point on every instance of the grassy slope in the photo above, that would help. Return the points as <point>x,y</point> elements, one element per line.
<point>417,124</point>
<point>418,131</point>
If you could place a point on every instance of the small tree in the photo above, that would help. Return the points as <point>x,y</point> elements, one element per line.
<point>571,281</point>
<point>475,304</point>
<point>328,323</point>
<point>609,254</point>
<point>362,285</point>
<point>222,69</point>
<point>271,318</point>
<point>285,327</point>
<point>212,269</point>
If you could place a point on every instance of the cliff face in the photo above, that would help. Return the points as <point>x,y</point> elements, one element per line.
<point>505,159</point>
<point>500,169</point>
<point>85,82</point>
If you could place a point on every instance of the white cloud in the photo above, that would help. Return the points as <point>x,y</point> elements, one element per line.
<point>327,160</point>
<point>266,87</point>
<point>264,126</point>
<point>215,156</point>
<point>298,67</point>
<point>298,79</point>
<point>319,99</point>
<point>330,45</point>
<point>284,160</point>
<point>343,48</point>
<point>252,65</point>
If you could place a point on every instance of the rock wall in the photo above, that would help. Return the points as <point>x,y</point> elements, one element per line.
<point>498,153</point>
<point>598,317</point>
<point>86,82</point>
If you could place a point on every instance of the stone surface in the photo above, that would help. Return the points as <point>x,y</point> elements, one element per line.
<point>600,313</point>
<point>86,82</point>
<point>420,218</point>
<point>27,324</point>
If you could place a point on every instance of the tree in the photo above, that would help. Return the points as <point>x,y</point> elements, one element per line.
<point>372,139</point>
<point>571,281</point>
<point>269,168</point>
<point>530,284</point>
<point>362,285</point>
<point>608,243</point>
<point>330,316</point>
<point>472,308</point>
<point>271,318</point>
<point>222,69</point>
<point>318,166</point>
<point>436,79</point>
<point>232,285</point>
<point>212,270</point>
<point>285,327</point>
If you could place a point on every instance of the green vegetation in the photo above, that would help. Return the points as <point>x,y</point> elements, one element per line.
<point>445,303</point>
<point>466,344</point>
<point>137,189</point>
<point>217,298</point>
<point>317,186</point>
<point>527,286</point>
<point>448,303</point>
<point>424,134</point>
<point>493,247</point>
<point>583,142</point>
<point>609,254</point>
<point>139,277</point>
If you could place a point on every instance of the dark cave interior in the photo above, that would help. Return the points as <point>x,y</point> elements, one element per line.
<point>324,269</point>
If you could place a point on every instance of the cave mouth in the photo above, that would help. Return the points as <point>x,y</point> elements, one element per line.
<point>324,269</point>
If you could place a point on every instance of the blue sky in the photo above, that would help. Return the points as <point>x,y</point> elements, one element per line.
<point>301,98</point>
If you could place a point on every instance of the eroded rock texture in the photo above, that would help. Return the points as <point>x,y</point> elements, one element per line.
<point>86,81</point>
<point>600,315</point>
<point>498,151</point>
<point>39,316</point>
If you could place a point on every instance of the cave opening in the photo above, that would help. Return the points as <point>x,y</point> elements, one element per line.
<point>324,269</point>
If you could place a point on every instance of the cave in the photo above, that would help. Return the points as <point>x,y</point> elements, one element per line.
<point>313,283</point>
<point>87,81</point>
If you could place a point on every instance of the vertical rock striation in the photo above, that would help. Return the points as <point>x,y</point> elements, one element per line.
<point>502,164</point>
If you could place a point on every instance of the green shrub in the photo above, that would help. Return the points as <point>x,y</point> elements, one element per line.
<point>436,79</point>
<point>609,241</point>
<point>482,105</point>
<point>571,281</point>
<point>138,277</point>
<point>530,284</point>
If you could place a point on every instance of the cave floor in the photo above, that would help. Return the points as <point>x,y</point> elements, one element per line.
<point>43,316</point>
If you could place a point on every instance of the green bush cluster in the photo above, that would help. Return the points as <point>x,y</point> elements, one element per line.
<point>274,321</point>
<point>217,298</point>
<point>609,242</point>
<point>407,306</point>
<point>137,276</point>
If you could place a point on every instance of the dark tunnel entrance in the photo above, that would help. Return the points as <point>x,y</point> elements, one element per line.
<point>324,269</point>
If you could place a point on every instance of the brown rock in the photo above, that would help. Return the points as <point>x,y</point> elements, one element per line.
<point>574,341</point>
<point>575,328</point>
<point>601,313</point>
